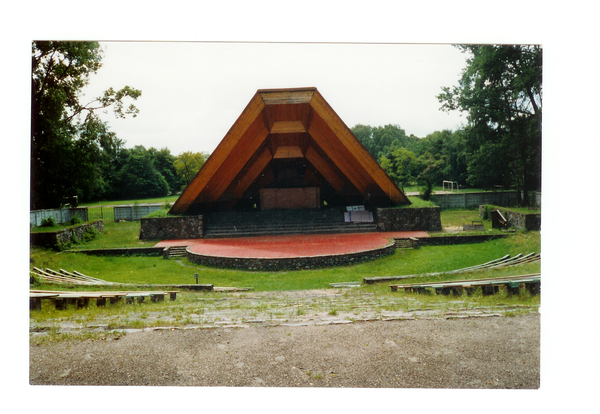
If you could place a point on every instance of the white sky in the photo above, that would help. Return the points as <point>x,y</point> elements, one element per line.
<point>192,92</point>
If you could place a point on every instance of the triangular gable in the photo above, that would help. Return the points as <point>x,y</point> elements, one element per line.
<point>288,136</point>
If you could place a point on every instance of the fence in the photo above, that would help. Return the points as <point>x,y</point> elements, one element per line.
<point>106,213</point>
<point>134,212</point>
<point>500,198</point>
<point>62,215</point>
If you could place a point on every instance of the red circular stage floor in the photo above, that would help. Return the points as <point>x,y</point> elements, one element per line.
<point>270,247</point>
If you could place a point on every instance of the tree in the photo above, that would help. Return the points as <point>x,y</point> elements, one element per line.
<point>188,164</point>
<point>364,134</point>
<point>164,164</point>
<point>400,165</point>
<point>139,177</point>
<point>501,90</point>
<point>69,142</point>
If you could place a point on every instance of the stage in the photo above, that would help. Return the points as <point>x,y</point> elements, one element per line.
<point>295,251</point>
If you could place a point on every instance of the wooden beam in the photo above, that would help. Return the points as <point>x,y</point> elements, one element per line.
<point>286,96</point>
<point>324,169</point>
<point>287,127</point>
<point>340,155</point>
<point>220,154</point>
<point>257,167</point>
<point>238,156</point>
<point>285,152</point>
<point>349,141</point>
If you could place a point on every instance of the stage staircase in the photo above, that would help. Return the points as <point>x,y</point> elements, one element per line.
<point>281,222</point>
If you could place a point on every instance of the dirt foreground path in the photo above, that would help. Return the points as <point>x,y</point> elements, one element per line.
<point>471,353</point>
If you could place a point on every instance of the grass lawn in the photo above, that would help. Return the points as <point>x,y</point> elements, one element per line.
<point>156,270</point>
<point>417,188</point>
<point>160,200</point>
<point>377,298</point>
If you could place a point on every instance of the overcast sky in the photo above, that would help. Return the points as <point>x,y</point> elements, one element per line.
<point>193,92</point>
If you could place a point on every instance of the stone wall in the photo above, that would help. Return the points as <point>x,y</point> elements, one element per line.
<point>523,221</point>
<point>61,237</point>
<point>458,239</point>
<point>125,251</point>
<point>520,221</point>
<point>291,263</point>
<point>408,219</point>
<point>171,228</point>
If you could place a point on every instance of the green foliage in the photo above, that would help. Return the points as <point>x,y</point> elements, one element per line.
<point>160,271</point>
<point>75,220</point>
<point>188,164</point>
<point>426,191</point>
<point>68,139</point>
<point>431,168</point>
<point>90,234</point>
<point>48,222</point>
<point>501,90</point>
<point>486,214</point>
<point>400,166</point>
<point>138,176</point>
<point>158,213</point>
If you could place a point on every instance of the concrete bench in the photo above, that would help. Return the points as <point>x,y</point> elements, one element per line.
<point>35,299</point>
<point>488,286</point>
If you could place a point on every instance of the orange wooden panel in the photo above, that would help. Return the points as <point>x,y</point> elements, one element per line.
<point>257,167</point>
<point>288,152</point>
<point>349,141</point>
<point>214,162</point>
<point>343,159</point>
<point>287,127</point>
<point>286,96</point>
<point>238,156</point>
<point>324,169</point>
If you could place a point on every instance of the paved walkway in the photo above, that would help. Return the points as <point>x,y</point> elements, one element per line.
<point>291,246</point>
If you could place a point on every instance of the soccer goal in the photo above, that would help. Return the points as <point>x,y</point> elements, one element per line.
<point>451,185</point>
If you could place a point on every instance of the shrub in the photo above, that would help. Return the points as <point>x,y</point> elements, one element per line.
<point>75,220</point>
<point>158,213</point>
<point>426,191</point>
<point>90,234</point>
<point>487,213</point>
<point>48,222</point>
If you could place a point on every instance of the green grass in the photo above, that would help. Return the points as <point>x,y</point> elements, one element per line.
<point>116,235</point>
<point>454,217</point>
<point>57,227</point>
<point>417,188</point>
<point>160,200</point>
<point>156,270</point>
<point>522,210</point>
<point>417,202</point>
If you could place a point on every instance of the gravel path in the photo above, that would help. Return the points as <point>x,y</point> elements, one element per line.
<point>494,352</point>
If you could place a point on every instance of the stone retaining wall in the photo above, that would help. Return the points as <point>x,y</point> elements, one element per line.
<point>294,263</point>
<point>520,221</point>
<point>458,239</point>
<point>126,251</point>
<point>408,219</point>
<point>171,228</point>
<point>61,237</point>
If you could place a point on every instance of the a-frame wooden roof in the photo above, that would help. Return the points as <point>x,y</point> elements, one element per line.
<point>288,138</point>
